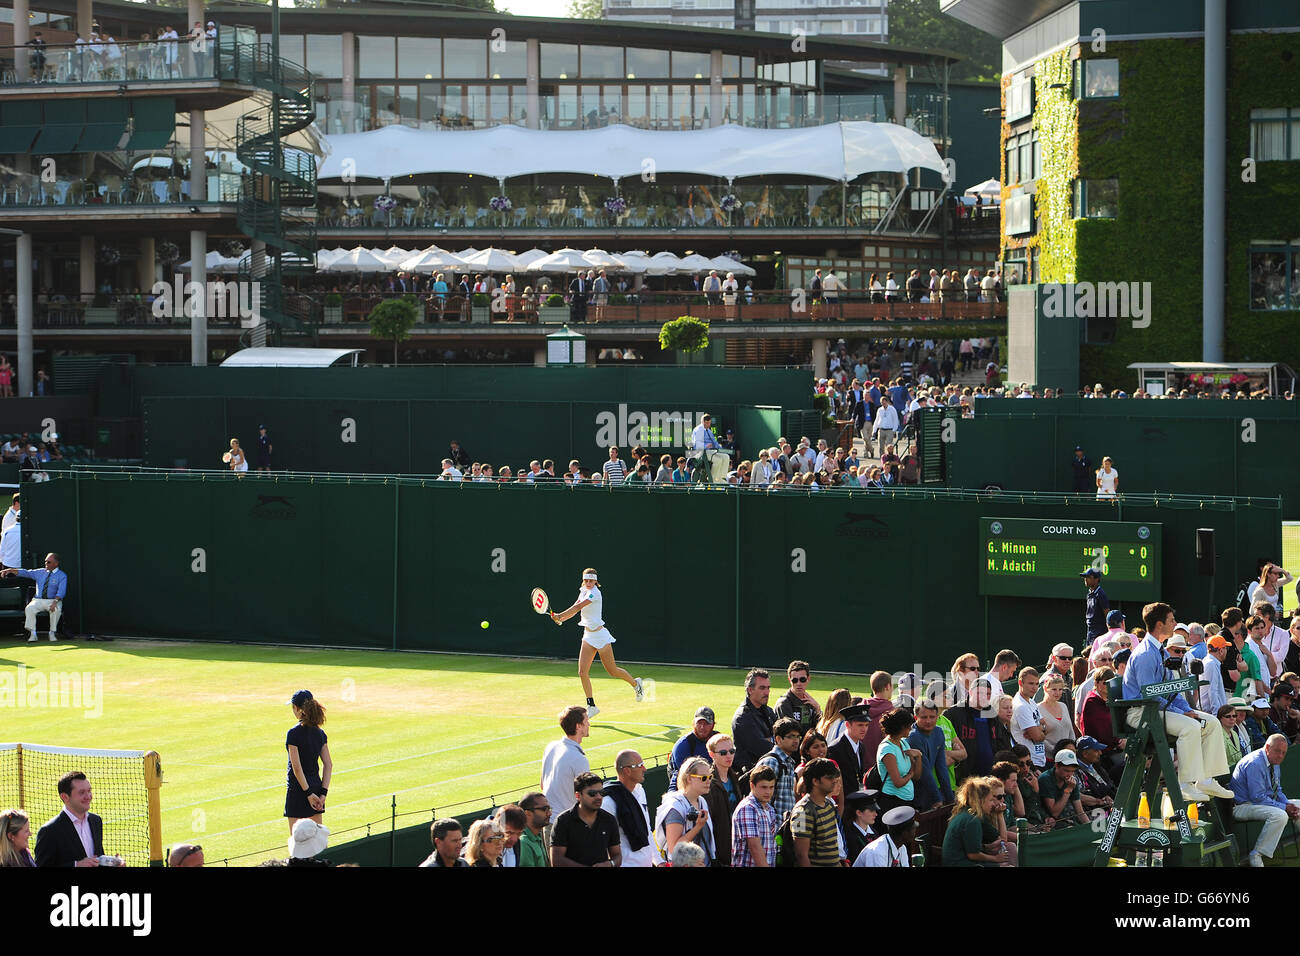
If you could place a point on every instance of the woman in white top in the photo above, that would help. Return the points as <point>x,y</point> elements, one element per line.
<point>596,638</point>
<point>1060,722</point>
<point>1107,480</point>
<point>235,458</point>
<point>1272,579</point>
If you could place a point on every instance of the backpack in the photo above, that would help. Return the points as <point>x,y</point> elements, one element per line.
<point>742,781</point>
<point>785,855</point>
<point>1243,599</point>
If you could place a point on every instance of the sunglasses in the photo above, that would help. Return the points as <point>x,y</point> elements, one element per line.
<point>632,766</point>
<point>1105,660</point>
<point>700,776</point>
<point>591,793</point>
<point>975,669</point>
<point>725,753</point>
<point>798,680</point>
<point>189,853</point>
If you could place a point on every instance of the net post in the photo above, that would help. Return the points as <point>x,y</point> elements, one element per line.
<point>152,784</point>
<point>22,790</point>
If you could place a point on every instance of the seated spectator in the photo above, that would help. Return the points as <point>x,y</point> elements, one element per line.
<point>1258,723</point>
<point>1232,742</point>
<point>1002,738</point>
<point>486,841</point>
<point>891,849</point>
<point>1282,710</point>
<point>15,834</point>
<point>1096,788</point>
<point>689,854</point>
<point>1096,721</point>
<point>1257,787</point>
<point>1013,805</point>
<point>512,820</point>
<point>584,834</point>
<point>1058,788</point>
<point>537,813</point>
<point>755,822</point>
<point>684,814</point>
<point>447,838</point>
<point>184,856</point>
<point>306,844</point>
<point>1028,726</point>
<point>972,835</point>
<point>692,744</point>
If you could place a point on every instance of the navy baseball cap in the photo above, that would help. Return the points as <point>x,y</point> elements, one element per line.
<point>300,698</point>
<point>1088,743</point>
<point>1089,572</point>
<point>1122,656</point>
<point>261,428</point>
<point>1115,619</point>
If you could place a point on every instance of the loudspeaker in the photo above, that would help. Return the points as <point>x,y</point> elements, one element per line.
<point>1205,551</point>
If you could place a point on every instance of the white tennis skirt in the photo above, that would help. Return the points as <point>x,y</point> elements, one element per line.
<point>597,639</point>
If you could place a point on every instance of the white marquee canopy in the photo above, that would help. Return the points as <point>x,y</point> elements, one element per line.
<point>836,151</point>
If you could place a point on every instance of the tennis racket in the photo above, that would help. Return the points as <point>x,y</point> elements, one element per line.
<point>226,458</point>
<point>541,603</point>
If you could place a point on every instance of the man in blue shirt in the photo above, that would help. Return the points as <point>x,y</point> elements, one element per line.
<point>932,787</point>
<point>51,587</point>
<point>1257,785</point>
<point>1098,604</point>
<point>1199,741</point>
<point>693,744</point>
<point>703,443</point>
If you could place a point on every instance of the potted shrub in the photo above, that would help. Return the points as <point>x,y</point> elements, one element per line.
<point>333,309</point>
<point>684,334</point>
<point>392,320</point>
<point>554,310</point>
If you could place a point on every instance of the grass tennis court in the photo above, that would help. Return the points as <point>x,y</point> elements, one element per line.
<point>433,729</point>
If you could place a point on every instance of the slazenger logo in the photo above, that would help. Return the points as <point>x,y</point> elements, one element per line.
<point>273,508</point>
<point>1153,836</point>
<point>861,526</point>
<point>75,909</point>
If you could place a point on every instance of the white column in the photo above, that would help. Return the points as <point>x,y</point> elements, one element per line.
<point>86,270</point>
<point>199,274</point>
<point>819,347</point>
<point>1214,190</point>
<point>47,267</point>
<point>900,95</point>
<point>23,264</point>
<point>145,270</point>
<point>533,55</point>
<point>22,33</point>
<point>194,14</point>
<point>715,87</point>
<point>198,164</point>
<point>349,82</point>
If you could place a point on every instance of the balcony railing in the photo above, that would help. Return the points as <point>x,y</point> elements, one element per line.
<point>132,311</point>
<point>107,60</point>
<point>28,190</point>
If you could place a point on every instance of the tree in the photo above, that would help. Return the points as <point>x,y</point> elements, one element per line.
<point>586,9</point>
<point>392,321</point>
<point>920,25</point>
<point>685,334</point>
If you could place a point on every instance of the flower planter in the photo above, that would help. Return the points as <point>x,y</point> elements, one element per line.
<point>553,314</point>
<point>333,315</point>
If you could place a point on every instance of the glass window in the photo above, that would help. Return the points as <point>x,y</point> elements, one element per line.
<point>1096,198</point>
<point>1268,134</point>
<point>681,107</point>
<point>730,105</point>
<point>1026,156</point>
<point>730,66</point>
<point>1275,277</point>
<point>430,102</point>
<point>376,56</point>
<point>291,47</point>
<point>647,64</point>
<point>419,58</point>
<point>1013,161</point>
<point>690,65</point>
<point>385,105</point>
<point>1101,78</point>
<point>325,55</point>
<point>661,107</point>
<point>510,63</point>
<point>559,61</point>
<point>464,58</point>
<point>747,67</point>
<point>637,106</point>
<point>781,72</point>
<point>476,104</point>
<point>601,62</point>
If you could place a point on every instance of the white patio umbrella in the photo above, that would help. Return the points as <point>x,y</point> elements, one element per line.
<point>493,260</point>
<point>431,260</point>
<point>213,262</point>
<point>358,260</point>
<point>466,253</point>
<point>525,259</point>
<point>725,264</point>
<point>398,253</point>
<point>633,263</point>
<point>386,256</point>
<point>325,256</point>
<point>989,189</point>
<point>560,262</point>
<point>666,261</point>
<point>600,259</point>
<point>696,263</point>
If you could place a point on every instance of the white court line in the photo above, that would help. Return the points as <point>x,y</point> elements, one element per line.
<point>425,786</point>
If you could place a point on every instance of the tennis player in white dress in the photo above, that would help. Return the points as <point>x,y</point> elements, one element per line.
<point>596,639</point>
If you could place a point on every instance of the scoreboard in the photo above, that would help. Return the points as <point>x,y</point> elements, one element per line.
<point>1043,557</point>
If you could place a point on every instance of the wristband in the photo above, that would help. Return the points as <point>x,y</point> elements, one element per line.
<point>322,791</point>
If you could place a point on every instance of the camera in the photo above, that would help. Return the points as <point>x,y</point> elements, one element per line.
<point>692,816</point>
<point>107,860</point>
<point>1197,666</point>
<point>1174,663</point>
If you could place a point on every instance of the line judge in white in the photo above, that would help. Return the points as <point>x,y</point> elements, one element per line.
<point>596,639</point>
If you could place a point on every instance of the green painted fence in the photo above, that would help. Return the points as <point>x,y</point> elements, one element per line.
<point>853,582</point>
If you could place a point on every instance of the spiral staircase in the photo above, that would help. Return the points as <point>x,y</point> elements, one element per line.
<point>277,195</point>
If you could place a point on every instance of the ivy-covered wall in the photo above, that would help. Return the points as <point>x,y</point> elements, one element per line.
<point>1150,140</point>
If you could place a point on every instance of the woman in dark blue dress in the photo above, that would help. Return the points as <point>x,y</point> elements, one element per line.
<point>307,744</point>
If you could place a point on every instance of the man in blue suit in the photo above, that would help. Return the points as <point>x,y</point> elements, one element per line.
<point>51,588</point>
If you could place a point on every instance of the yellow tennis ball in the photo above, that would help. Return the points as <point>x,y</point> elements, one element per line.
<point>483,624</point>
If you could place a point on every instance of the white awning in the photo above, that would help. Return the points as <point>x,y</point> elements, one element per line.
<point>837,151</point>
<point>267,357</point>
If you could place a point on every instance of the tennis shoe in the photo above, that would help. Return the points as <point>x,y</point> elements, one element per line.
<point>640,690</point>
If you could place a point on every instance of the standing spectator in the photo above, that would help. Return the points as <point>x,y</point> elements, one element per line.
<point>780,759</point>
<point>932,788</point>
<point>692,744</point>
<point>886,426</point>
<point>625,801</point>
<point>486,842</point>
<point>1272,579</point>
<point>891,850</point>
<point>1107,480</point>
<point>459,456</point>
<point>1028,727</point>
<point>15,834</point>
<point>723,795</point>
<point>1097,607</point>
<point>12,515</point>
<point>1059,665</point>
<point>754,824</point>
<point>751,727</point>
<point>537,815</point>
<point>846,753</point>
<point>1055,712</point>
<point>831,286</point>
<point>684,813</point>
<point>664,476</point>
<point>236,458</point>
<point>860,812</point>
<point>1257,789</point>
<point>447,839</point>
<point>511,820</point>
<point>899,766</point>
<point>1005,665</point>
<point>76,836</point>
<point>878,704</point>
<point>263,449</point>
<point>584,834</point>
<point>615,470</point>
<point>1081,467</point>
<point>564,760</point>
<point>307,744</point>
<point>11,546</point>
<point>831,726</point>
<point>51,586</point>
<point>185,856</point>
<point>797,703</point>
<point>1273,641</point>
<point>813,822</point>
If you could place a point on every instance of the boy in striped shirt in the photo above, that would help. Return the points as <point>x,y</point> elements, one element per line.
<point>615,470</point>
